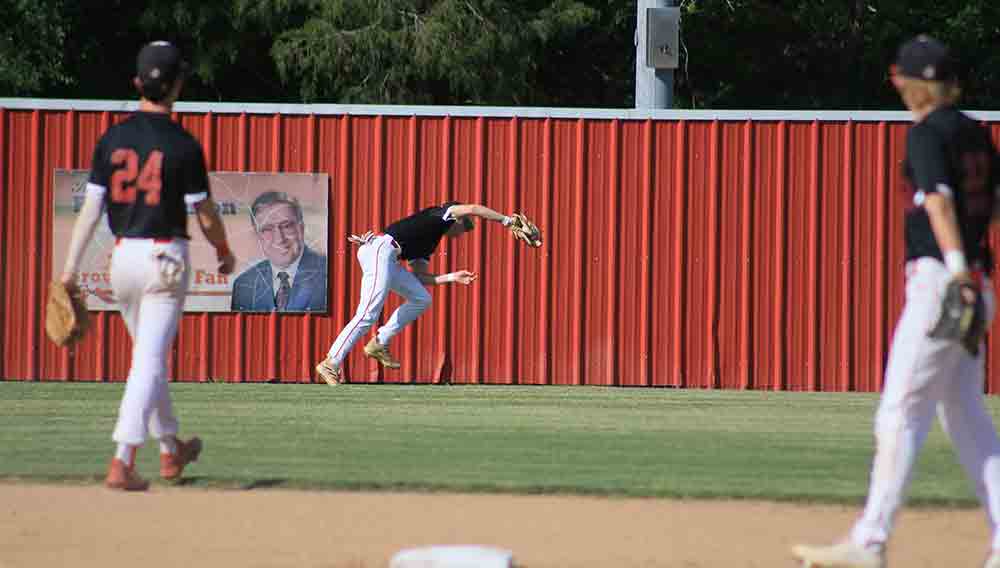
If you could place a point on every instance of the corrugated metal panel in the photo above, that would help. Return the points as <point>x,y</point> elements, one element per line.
<point>734,222</point>
<point>631,343</point>
<point>992,376</point>
<point>6,181</point>
<point>734,250</point>
<point>21,290</point>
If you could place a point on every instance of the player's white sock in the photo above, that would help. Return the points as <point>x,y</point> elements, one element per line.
<point>168,445</point>
<point>126,453</point>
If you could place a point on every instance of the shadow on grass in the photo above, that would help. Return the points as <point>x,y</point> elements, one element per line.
<point>245,484</point>
<point>184,481</point>
<point>197,481</point>
<point>263,484</point>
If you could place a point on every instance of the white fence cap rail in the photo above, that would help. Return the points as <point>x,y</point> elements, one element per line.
<point>483,111</point>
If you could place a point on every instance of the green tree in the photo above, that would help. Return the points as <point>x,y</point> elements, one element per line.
<point>425,52</point>
<point>57,48</point>
<point>595,65</point>
<point>791,54</point>
<point>31,54</point>
<point>229,44</point>
<point>576,53</point>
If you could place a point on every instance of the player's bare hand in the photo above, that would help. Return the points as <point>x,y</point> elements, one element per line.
<point>464,277</point>
<point>227,263</point>
<point>68,279</point>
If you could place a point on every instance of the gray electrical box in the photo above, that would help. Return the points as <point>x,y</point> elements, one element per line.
<point>663,37</point>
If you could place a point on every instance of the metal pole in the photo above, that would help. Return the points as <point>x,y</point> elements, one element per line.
<point>654,88</point>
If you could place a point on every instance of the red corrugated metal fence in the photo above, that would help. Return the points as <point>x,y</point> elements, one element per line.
<point>756,251</point>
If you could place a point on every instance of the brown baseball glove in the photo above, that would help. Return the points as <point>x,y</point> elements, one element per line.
<point>524,230</point>
<point>66,316</point>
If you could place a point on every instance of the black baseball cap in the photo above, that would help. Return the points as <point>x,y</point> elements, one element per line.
<point>926,58</point>
<point>158,65</point>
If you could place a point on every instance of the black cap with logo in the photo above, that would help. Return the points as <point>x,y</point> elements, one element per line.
<point>158,65</point>
<point>926,58</point>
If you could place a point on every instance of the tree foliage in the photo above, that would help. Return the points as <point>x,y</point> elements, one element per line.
<point>735,53</point>
<point>791,54</point>
<point>410,51</point>
<point>31,56</point>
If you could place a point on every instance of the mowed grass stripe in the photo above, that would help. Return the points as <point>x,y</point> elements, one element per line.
<point>610,441</point>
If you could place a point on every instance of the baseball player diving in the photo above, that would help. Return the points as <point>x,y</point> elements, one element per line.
<point>412,240</point>
<point>145,173</point>
<point>936,358</point>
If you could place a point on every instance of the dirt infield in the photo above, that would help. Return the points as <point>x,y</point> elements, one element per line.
<point>82,526</point>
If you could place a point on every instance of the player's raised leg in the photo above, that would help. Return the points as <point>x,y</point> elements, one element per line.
<point>418,299</point>
<point>376,259</point>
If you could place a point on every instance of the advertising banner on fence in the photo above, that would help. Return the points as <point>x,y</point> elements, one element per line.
<point>277,227</point>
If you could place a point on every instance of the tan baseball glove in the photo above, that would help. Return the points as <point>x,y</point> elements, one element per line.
<point>524,230</point>
<point>66,316</point>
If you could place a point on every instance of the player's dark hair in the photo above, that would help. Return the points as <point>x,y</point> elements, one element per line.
<point>465,221</point>
<point>271,198</point>
<point>155,93</point>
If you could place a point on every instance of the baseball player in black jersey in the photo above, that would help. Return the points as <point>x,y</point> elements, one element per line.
<point>145,172</point>
<point>952,169</point>
<point>412,239</point>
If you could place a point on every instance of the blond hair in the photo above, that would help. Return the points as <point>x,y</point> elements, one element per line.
<point>919,93</point>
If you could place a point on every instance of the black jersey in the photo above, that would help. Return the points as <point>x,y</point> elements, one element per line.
<point>948,151</point>
<point>419,234</point>
<point>147,164</point>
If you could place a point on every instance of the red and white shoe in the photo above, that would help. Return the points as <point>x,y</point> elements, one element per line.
<point>172,465</point>
<point>124,478</point>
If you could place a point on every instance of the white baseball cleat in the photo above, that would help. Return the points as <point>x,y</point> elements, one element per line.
<point>993,561</point>
<point>380,353</point>
<point>333,376</point>
<point>844,554</point>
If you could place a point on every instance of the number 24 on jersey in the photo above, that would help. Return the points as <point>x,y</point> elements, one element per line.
<point>127,178</point>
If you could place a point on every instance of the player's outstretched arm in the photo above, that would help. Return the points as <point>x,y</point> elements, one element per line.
<point>420,269</point>
<point>215,232</point>
<point>83,230</point>
<point>519,225</point>
<point>481,211</point>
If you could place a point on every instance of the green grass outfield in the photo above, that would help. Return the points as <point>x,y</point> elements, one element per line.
<point>583,440</point>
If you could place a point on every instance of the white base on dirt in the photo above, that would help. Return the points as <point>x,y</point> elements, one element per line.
<point>463,556</point>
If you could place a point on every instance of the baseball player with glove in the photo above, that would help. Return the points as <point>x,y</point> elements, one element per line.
<point>66,315</point>
<point>936,359</point>
<point>412,239</point>
<point>145,172</point>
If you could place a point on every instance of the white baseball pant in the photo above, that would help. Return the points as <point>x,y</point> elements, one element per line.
<point>924,375</point>
<point>382,272</point>
<point>150,280</point>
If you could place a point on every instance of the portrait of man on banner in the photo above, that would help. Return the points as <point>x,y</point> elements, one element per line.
<point>292,277</point>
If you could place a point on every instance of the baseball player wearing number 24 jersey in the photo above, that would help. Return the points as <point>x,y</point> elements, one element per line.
<point>145,172</point>
<point>952,167</point>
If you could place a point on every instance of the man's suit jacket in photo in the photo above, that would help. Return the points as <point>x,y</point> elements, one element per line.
<point>253,291</point>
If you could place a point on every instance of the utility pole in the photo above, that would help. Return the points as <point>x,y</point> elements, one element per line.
<point>656,53</point>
